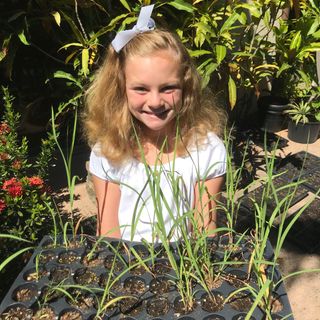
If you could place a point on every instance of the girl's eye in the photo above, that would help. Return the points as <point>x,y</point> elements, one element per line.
<point>140,89</point>
<point>169,89</point>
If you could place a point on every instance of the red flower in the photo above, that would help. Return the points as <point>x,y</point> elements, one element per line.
<point>13,187</point>
<point>4,156</point>
<point>35,181</point>
<point>16,164</point>
<point>2,205</point>
<point>4,128</point>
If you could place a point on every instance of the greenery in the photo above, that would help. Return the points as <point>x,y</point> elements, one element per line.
<point>305,111</point>
<point>236,45</point>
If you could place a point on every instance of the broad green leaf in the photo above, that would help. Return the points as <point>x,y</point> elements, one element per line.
<point>57,17</point>
<point>267,66</point>
<point>74,28</point>
<point>198,53</point>
<point>252,8</point>
<point>243,18</point>
<point>85,61</point>
<point>284,66</point>
<point>23,38</point>
<point>221,52</point>
<point>197,1</point>
<point>64,75</point>
<point>229,22</point>
<point>316,35</point>
<point>182,5</point>
<point>73,44</point>
<point>126,5</point>
<point>314,27</point>
<point>70,56</point>
<point>232,92</point>
<point>296,41</point>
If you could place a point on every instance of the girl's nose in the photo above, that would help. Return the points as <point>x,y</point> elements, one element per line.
<point>155,100</point>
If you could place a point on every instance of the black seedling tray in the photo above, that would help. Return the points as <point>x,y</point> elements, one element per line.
<point>305,231</point>
<point>300,192</point>
<point>53,265</point>
<point>297,164</point>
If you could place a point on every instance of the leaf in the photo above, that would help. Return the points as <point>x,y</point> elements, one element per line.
<point>314,27</point>
<point>126,5</point>
<point>221,52</point>
<point>73,44</point>
<point>57,17</point>
<point>85,61</point>
<point>296,41</point>
<point>198,53</point>
<point>23,38</point>
<point>229,22</point>
<point>13,256</point>
<point>74,28</point>
<point>64,75</point>
<point>182,5</point>
<point>232,92</point>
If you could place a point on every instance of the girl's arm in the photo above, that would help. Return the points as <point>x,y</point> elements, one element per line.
<point>205,205</point>
<point>108,199</point>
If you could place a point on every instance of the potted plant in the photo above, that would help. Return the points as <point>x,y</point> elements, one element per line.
<point>304,122</point>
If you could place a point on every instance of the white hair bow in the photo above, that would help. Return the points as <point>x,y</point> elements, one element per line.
<point>144,23</point>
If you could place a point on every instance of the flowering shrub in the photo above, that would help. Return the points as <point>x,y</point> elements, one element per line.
<point>24,197</point>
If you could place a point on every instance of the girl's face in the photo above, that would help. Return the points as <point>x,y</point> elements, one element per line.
<point>154,91</point>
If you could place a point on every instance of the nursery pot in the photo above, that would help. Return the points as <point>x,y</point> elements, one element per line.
<point>271,113</point>
<point>303,133</point>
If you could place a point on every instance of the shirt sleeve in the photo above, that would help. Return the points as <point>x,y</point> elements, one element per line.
<point>100,167</point>
<point>212,158</point>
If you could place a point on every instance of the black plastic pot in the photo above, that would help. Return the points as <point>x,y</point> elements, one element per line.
<point>271,113</point>
<point>138,300</point>
<point>303,133</point>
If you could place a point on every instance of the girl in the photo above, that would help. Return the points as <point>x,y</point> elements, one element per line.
<point>156,156</point>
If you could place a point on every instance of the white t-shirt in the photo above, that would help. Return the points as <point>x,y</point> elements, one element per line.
<point>162,192</point>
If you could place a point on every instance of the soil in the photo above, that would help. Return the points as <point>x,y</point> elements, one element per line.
<point>35,275</point>
<point>86,277</point>
<point>180,308</point>
<point>158,306</point>
<point>17,313</point>
<point>71,315</point>
<point>141,251</point>
<point>25,293</point>
<point>81,300</point>
<point>137,270</point>
<point>68,257</point>
<point>45,256</point>
<point>59,274</point>
<point>44,313</point>
<point>131,306</point>
<point>213,302</point>
<point>240,302</point>
<point>112,263</point>
<point>160,285</point>
<point>134,285</point>
<point>106,280</point>
<point>161,267</point>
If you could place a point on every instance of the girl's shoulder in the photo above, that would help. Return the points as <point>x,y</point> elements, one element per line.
<point>105,169</point>
<point>210,142</point>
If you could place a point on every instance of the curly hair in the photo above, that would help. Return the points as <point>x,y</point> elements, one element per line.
<point>107,119</point>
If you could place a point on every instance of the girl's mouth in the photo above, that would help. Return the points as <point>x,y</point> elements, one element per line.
<point>158,114</point>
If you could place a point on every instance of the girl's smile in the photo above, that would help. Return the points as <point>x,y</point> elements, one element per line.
<point>153,89</point>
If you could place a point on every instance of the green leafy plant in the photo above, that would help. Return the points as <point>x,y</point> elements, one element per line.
<point>303,111</point>
<point>23,191</point>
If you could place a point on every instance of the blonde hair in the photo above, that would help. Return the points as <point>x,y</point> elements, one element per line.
<point>107,120</point>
